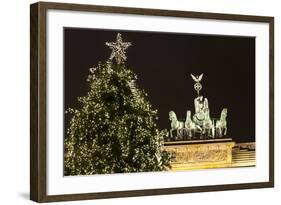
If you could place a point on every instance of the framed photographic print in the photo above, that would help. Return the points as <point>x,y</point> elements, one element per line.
<point>135,102</point>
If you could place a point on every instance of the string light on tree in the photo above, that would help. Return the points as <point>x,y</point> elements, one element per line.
<point>114,129</point>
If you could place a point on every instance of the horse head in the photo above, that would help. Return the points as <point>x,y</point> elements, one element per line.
<point>223,113</point>
<point>172,116</point>
<point>188,115</point>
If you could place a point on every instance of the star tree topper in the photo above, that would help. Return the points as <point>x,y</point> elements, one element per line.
<point>118,49</point>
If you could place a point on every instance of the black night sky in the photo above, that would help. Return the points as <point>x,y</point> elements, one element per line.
<point>163,63</point>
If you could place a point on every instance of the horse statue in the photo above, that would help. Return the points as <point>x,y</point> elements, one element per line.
<point>175,124</point>
<point>221,124</point>
<point>208,125</point>
<point>189,125</point>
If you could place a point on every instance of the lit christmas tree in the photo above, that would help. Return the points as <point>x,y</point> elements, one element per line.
<point>114,129</point>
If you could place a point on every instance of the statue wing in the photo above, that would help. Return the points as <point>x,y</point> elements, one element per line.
<point>193,77</point>
<point>200,77</point>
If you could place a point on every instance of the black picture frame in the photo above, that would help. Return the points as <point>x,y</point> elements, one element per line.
<point>38,101</point>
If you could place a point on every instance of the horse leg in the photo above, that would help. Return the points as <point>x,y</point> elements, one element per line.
<point>218,132</point>
<point>225,130</point>
<point>190,133</point>
<point>209,132</point>
<point>202,133</point>
<point>181,134</point>
<point>193,133</point>
<point>171,133</point>
<point>176,137</point>
<point>178,134</point>
<point>186,133</point>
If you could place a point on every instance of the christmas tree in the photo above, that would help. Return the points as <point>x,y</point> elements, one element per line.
<point>114,129</point>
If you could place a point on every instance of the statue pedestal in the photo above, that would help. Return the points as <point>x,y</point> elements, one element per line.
<point>200,154</point>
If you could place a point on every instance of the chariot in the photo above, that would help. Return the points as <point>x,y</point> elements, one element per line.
<point>200,124</point>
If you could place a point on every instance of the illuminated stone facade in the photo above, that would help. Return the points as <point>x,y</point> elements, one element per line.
<point>199,154</point>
